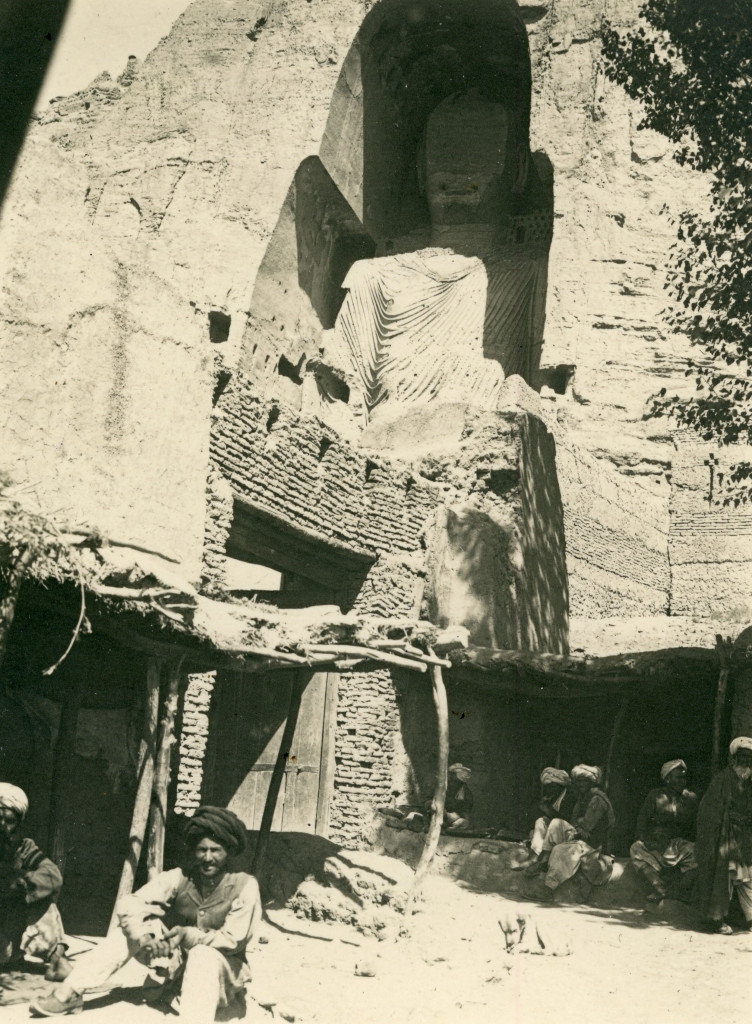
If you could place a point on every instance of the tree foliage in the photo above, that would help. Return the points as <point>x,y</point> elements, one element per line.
<point>689,62</point>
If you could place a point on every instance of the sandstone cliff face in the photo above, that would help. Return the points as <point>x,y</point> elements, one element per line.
<point>151,246</point>
<point>138,209</point>
<point>614,189</point>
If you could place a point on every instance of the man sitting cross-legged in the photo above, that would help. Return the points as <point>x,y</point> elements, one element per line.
<point>29,885</point>
<point>191,929</point>
<point>568,846</point>
<point>459,799</point>
<point>557,800</point>
<point>665,830</point>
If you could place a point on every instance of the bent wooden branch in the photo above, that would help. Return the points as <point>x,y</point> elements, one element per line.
<point>439,798</point>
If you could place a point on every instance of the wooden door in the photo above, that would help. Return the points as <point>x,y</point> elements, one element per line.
<point>246,731</point>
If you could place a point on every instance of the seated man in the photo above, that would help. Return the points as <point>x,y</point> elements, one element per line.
<point>458,805</point>
<point>567,846</point>
<point>191,929</point>
<point>665,830</point>
<point>557,800</point>
<point>29,884</point>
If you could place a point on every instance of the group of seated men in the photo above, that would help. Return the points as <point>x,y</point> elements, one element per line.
<point>571,832</point>
<point>575,818</point>
<point>573,826</point>
<point>190,927</point>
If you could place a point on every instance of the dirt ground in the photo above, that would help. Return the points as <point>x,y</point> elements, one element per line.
<point>624,967</point>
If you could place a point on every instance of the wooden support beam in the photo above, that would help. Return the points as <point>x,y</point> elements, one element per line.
<point>145,780</point>
<point>572,675</point>
<point>158,811</point>
<point>367,654</point>
<point>439,797</point>
<point>62,765</point>
<point>723,649</point>
<point>269,652</point>
<point>429,659</point>
<point>275,783</point>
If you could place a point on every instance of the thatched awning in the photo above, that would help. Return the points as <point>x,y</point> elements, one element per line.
<point>572,675</point>
<point>142,599</point>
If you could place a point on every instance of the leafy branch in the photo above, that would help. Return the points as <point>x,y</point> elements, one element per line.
<point>689,63</point>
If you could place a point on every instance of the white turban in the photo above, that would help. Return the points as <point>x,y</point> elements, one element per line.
<point>669,766</point>
<point>587,771</point>
<point>740,743</point>
<point>462,773</point>
<point>14,799</point>
<point>554,776</point>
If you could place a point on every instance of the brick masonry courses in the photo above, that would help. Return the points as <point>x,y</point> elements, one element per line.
<point>616,538</point>
<point>710,545</point>
<point>366,751</point>
<point>272,457</point>
<point>194,734</point>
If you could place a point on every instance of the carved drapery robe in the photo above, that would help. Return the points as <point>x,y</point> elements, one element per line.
<point>433,325</point>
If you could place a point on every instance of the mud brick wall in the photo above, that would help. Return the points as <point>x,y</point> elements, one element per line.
<point>710,545</point>
<point>218,521</point>
<point>297,469</point>
<point>364,750</point>
<point>194,733</point>
<point>394,586</point>
<point>616,540</point>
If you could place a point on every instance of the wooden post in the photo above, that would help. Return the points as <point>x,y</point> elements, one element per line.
<point>439,799</point>
<point>278,772</point>
<point>614,737</point>
<point>722,647</point>
<point>62,764</point>
<point>158,812</point>
<point>145,781</point>
<point>327,763</point>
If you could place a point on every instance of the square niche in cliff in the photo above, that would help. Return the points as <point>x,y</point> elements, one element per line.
<point>219,326</point>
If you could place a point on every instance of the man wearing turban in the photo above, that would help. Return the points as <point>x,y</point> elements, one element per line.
<point>30,883</point>
<point>557,800</point>
<point>724,840</point>
<point>190,928</point>
<point>665,830</point>
<point>458,805</point>
<point>569,846</point>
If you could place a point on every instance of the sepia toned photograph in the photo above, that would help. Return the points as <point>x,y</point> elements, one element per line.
<point>375,511</point>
